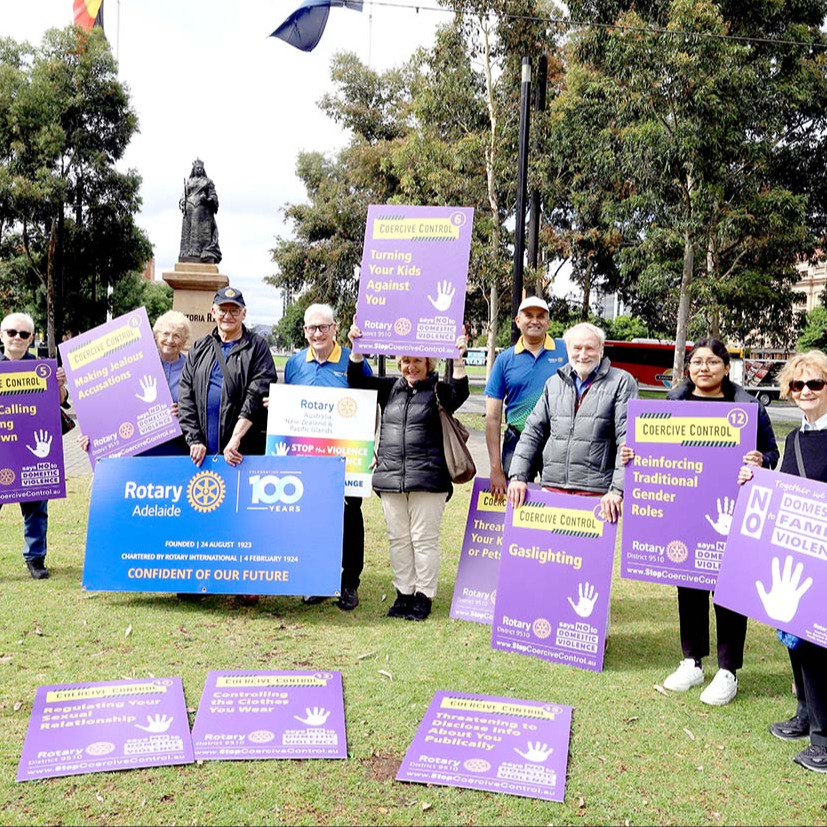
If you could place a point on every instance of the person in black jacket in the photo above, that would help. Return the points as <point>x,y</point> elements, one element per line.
<point>411,476</point>
<point>804,380</point>
<point>708,381</point>
<point>225,378</point>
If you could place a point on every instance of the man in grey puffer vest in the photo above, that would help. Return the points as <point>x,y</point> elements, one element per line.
<point>578,424</point>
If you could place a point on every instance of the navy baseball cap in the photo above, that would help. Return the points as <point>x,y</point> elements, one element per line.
<point>229,295</point>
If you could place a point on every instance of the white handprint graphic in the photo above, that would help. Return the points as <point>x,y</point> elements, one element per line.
<point>723,521</point>
<point>156,723</point>
<point>444,296</point>
<point>315,717</point>
<point>42,444</point>
<point>781,603</point>
<point>149,390</point>
<point>586,598</point>
<point>281,449</point>
<point>536,752</point>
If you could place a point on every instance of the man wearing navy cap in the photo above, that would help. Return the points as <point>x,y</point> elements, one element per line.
<point>225,378</point>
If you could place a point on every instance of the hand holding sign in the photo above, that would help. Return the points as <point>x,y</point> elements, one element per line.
<point>781,602</point>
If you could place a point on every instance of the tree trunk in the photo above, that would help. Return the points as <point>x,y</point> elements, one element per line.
<point>493,310</point>
<point>50,291</point>
<point>713,313</point>
<point>683,306</point>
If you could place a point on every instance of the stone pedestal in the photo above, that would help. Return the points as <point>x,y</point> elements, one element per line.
<point>194,286</point>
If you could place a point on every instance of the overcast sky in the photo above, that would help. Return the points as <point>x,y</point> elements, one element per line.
<point>207,81</point>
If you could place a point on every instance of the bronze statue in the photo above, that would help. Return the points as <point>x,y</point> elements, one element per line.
<point>199,232</point>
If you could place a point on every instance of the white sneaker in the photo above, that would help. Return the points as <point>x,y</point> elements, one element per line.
<point>685,677</point>
<point>721,690</point>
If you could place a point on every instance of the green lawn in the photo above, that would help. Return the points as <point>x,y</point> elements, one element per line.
<point>638,755</point>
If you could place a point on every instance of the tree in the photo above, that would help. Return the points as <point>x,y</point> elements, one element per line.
<point>289,330</point>
<point>67,230</point>
<point>133,291</point>
<point>715,190</point>
<point>814,335</point>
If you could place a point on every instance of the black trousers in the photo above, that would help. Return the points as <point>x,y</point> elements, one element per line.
<point>809,664</point>
<point>693,612</point>
<point>353,543</point>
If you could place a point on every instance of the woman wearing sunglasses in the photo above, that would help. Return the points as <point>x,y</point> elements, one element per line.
<point>804,380</point>
<point>707,380</point>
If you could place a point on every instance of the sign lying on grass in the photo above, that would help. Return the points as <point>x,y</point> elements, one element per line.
<point>309,421</point>
<point>77,728</point>
<point>681,488</point>
<point>412,282</point>
<point>244,715</point>
<point>118,388</point>
<point>555,579</point>
<point>31,467</point>
<point>475,588</point>
<point>775,566</point>
<point>272,525</point>
<point>501,745</point>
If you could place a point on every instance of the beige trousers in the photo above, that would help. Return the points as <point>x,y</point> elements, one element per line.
<point>413,534</point>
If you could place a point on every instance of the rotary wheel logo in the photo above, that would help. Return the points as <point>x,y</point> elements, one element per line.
<point>347,407</point>
<point>7,476</point>
<point>677,551</point>
<point>205,491</point>
<point>402,327</point>
<point>541,628</point>
<point>126,430</point>
<point>476,765</point>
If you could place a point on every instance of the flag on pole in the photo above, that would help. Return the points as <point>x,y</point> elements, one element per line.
<point>305,26</point>
<point>88,13</point>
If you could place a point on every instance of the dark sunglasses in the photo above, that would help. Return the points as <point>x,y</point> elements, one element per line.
<point>23,334</point>
<point>797,385</point>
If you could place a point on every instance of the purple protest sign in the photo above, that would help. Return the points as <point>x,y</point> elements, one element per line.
<point>412,282</point>
<point>475,589</point>
<point>681,488</point>
<point>244,715</point>
<point>118,387</point>
<point>555,580</point>
<point>501,745</point>
<point>31,467</point>
<point>77,728</point>
<point>775,566</point>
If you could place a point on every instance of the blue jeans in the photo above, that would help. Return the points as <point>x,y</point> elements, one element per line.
<point>35,524</point>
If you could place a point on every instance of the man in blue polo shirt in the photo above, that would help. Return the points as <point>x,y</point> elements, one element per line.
<point>324,363</point>
<point>517,379</point>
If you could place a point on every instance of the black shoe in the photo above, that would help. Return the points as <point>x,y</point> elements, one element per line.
<point>246,599</point>
<point>313,599</point>
<point>402,606</point>
<point>813,758</point>
<point>791,730</point>
<point>37,568</point>
<point>190,597</point>
<point>421,607</point>
<point>349,600</point>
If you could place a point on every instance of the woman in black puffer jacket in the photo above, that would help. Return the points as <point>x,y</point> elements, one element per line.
<point>411,477</point>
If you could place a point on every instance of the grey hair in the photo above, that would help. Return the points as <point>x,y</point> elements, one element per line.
<point>26,316</point>
<point>176,320</point>
<point>599,334</point>
<point>322,309</point>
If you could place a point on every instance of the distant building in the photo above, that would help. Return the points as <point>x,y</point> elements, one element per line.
<point>811,283</point>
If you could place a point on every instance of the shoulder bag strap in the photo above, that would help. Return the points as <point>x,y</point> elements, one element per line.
<point>799,460</point>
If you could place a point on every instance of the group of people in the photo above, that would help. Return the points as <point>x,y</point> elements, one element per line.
<point>565,423</point>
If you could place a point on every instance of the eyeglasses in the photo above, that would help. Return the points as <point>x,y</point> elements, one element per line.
<point>709,363</point>
<point>797,385</point>
<point>317,328</point>
<point>23,334</point>
<point>228,311</point>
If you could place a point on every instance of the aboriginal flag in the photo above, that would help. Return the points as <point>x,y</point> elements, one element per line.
<point>88,13</point>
